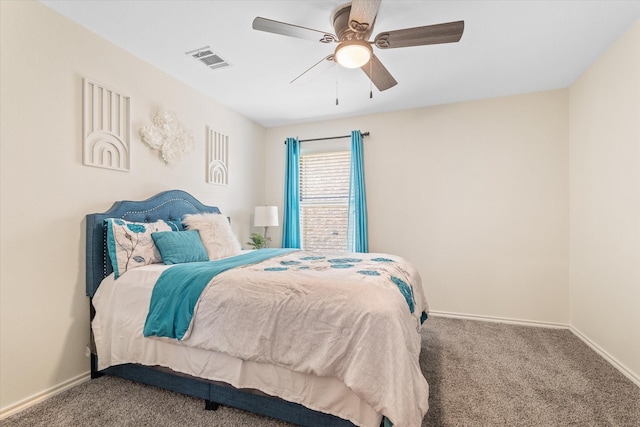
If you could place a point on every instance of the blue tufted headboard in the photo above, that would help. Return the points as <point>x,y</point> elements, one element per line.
<point>168,205</point>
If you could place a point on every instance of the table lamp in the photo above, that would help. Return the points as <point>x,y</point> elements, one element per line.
<point>265,216</point>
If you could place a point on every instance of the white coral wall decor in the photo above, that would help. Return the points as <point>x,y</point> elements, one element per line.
<point>168,136</point>
<point>106,129</point>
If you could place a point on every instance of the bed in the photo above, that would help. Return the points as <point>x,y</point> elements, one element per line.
<point>339,369</point>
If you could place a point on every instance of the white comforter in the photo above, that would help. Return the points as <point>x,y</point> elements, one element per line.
<point>346,319</point>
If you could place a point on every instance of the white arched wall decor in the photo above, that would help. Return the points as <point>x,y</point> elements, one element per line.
<point>217,157</point>
<point>106,127</point>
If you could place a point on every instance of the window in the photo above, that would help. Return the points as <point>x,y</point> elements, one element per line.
<point>324,200</point>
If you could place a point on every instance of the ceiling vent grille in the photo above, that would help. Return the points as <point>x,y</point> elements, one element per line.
<point>208,57</point>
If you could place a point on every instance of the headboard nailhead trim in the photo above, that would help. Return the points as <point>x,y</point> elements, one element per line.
<point>104,252</point>
<point>177,199</point>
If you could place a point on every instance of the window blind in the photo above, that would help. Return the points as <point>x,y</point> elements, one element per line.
<point>324,198</point>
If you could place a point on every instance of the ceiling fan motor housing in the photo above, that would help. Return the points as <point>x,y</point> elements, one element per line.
<point>344,31</point>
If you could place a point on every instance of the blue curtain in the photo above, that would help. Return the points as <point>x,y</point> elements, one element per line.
<point>291,215</point>
<point>357,240</point>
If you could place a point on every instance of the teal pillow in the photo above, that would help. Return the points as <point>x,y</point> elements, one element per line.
<point>179,247</point>
<point>176,225</point>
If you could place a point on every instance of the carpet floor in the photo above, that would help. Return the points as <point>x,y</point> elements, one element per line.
<point>479,374</point>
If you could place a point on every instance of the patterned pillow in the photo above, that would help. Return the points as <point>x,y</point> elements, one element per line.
<point>130,244</point>
<point>215,232</point>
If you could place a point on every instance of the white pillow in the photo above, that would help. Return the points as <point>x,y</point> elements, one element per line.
<point>215,233</point>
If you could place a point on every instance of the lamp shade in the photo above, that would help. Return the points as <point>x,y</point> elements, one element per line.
<point>265,216</point>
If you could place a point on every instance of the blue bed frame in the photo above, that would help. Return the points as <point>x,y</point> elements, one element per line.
<point>172,205</point>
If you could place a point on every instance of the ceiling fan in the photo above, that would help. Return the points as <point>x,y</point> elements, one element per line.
<point>353,24</point>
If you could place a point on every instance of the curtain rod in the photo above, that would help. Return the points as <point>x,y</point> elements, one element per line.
<point>330,137</point>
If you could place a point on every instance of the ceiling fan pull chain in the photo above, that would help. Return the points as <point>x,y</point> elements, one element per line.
<point>336,86</point>
<point>370,81</point>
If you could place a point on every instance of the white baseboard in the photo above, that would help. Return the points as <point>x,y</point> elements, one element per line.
<point>609,358</point>
<point>39,397</point>
<point>495,319</point>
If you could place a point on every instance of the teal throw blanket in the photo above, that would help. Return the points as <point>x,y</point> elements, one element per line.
<point>178,289</point>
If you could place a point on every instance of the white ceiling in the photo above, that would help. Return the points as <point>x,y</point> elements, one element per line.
<point>508,47</point>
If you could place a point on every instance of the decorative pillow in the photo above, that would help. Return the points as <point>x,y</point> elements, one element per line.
<point>183,246</point>
<point>175,225</point>
<point>130,244</point>
<point>215,232</point>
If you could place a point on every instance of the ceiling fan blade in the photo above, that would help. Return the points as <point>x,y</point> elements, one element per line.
<point>449,32</point>
<point>363,15</point>
<point>327,62</point>
<point>378,74</point>
<point>276,27</point>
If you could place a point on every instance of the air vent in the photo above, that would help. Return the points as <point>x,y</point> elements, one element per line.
<point>208,57</point>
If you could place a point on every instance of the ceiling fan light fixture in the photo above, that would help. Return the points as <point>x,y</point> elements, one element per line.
<point>353,54</point>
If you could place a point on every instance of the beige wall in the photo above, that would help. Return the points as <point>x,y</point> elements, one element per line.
<point>605,202</point>
<point>46,191</point>
<point>474,194</point>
